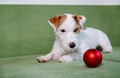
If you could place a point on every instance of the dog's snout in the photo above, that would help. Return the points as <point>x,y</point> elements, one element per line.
<point>72,45</point>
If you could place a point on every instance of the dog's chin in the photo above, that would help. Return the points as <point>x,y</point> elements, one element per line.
<point>73,50</point>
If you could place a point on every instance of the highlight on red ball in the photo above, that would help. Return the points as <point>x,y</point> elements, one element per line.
<point>92,58</point>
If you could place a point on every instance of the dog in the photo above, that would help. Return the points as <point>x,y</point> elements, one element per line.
<point>73,39</point>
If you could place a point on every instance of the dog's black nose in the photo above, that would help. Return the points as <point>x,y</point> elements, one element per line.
<point>72,45</point>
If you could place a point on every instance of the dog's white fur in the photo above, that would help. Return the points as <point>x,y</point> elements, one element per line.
<point>82,40</point>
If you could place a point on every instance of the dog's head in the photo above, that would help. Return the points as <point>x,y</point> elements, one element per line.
<point>57,21</point>
<point>67,29</point>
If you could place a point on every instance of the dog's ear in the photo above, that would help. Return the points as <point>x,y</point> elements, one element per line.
<point>56,21</point>
<point>80,20</point>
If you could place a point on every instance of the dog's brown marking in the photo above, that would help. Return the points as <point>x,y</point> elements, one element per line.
<point>77,29</point>
<point>57,20</point>
<point>77,18</point>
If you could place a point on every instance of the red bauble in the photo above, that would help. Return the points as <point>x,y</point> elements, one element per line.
<point>92,58</point>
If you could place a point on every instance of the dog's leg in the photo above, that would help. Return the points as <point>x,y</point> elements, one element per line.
<point>65,59</point>
<point>50,56</point>
<point>104,42</point>
<point>106,47</point>
<point>55,54</point>
<point>70,57</point>
<point>45,58</point>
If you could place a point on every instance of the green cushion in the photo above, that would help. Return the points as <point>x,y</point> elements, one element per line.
<point>28,67</point>
<point>24,29</point>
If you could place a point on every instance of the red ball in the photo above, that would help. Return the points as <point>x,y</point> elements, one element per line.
<point>92,58</point>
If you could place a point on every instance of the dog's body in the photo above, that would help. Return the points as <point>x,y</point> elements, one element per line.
<point>72,39</point>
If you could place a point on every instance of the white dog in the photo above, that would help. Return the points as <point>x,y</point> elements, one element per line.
<point>72,39</point>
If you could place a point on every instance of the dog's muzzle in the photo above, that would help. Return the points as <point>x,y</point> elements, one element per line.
<point>72,45</point>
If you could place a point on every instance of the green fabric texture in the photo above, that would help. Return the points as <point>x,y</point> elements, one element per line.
<point>26,34</point>
<point>24,29</point>
<point>28,67</point>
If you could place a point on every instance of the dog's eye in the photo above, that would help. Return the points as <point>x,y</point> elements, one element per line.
<point>76,30</point>
<point>62,30</point>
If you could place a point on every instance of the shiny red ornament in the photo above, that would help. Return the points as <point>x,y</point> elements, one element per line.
<point>92,58</point>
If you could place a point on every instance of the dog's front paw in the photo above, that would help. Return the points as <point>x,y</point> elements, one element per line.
<point>56,56</point>
<point>65,59</point>
<point>41,59</point>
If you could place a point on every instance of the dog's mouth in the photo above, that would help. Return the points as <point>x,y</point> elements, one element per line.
<point>71,51</point>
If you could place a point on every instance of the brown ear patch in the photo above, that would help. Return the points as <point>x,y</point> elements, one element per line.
<point>57,20</point>
<point>78,26</point>
<point>77,18</point>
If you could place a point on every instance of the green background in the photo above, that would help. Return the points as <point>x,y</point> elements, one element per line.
<point>24,29</point>
<point>26,34</point>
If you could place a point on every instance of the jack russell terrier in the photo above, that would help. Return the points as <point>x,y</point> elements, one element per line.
<point>72,39</point>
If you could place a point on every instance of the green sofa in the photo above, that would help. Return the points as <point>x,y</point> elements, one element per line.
<point>26,34</point>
